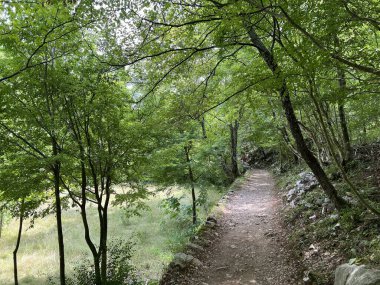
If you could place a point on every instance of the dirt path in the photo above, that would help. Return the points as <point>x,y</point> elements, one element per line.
<point>248,246</point>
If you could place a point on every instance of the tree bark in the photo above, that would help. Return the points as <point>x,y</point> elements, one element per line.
<point>295,129</point>
<point>15,269</point>
<point>234,154</point>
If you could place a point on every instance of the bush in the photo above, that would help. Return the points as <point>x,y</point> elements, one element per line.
<point>120,270</point>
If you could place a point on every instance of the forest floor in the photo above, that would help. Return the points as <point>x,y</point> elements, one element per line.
<point>249,244</point>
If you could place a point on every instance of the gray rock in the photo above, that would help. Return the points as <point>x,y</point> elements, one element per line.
<point>197,263</point>
<point>350,200</point>
<point>183,260</point>
<point>210,224</point>
<point>328,208</point>
<point>350,274</point>
<point>342,273</point>
<point>313,217</point>
<point>292,194</point>
<point>336,226</point>
<point>211,219</point>
<point>334,216</point>
<point>307,183</point>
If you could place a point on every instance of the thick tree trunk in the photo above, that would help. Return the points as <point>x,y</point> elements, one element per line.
<point>234,154</point>
<point>15,270</point>
<point>295,129</point>
<point>192,182</point>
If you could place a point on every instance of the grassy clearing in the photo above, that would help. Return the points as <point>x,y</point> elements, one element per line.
<point>156,235</point>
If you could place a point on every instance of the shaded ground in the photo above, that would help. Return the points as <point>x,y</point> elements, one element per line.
<point>249,244</point>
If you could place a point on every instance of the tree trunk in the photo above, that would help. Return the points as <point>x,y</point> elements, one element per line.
<point>204,133</point>
<point>192,181</point>
<point>287,106</point>
<point>84,185</point>
<point>234,144</point>
<point>15,270</point>
<point>90,244</point>
<point>343,121</point>
<point>56,172</point>
<point>104,255</point>
<point>104,229</point>
<point>98,278</point>
<point>100,250</point>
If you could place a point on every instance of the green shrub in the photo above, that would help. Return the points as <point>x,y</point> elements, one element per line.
<point>120,270</point>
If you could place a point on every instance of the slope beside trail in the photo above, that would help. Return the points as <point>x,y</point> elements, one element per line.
<point>249,244</point>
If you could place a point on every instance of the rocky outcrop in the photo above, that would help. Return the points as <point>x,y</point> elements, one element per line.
<point>306,183</point>
<point>350,274</point>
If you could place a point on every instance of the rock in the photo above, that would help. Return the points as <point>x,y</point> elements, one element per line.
<point>307,183</point>
<point>183,260</point>
<point>293,192</point>
<point>336,226</point>
<point>350,200</point>
<point>350,274</point>
<point>327,208</point>
<point>194,247</point>
<point>210,224</point>
<point>212,219</point>
<point>197,263</point>
<point>306,281</point>
<point>334,216</point>
<point>313,217</point>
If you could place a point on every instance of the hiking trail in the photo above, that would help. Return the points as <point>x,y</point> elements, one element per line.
<point>249,244</point>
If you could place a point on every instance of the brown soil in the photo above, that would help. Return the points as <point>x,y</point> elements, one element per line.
<point>249,244</point>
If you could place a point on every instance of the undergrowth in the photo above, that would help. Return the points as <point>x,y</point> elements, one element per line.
<point>325,238</point>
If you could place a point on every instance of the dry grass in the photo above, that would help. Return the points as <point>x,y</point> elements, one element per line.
<point>156,236</point>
